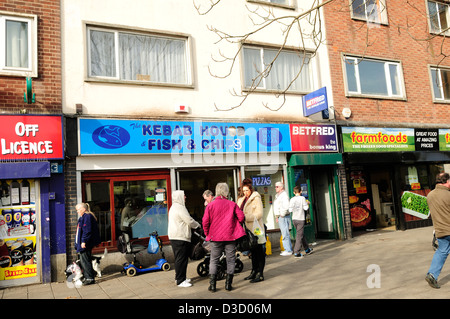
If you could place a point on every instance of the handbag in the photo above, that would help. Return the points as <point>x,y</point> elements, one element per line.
<point>247,242</point>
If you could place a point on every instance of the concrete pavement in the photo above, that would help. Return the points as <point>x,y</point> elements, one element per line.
<point>383,264</point>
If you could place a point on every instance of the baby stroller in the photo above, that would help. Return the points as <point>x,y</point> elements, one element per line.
<point>134,267</point>
<point>203,267</point>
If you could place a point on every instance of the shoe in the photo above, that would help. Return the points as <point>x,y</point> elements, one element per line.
<point>228,282</point>
<point>212,283</point>
<point>185,284</point>
<point>187,279</point>
<point>251,276</point>
<point>88,282</point>
<point>286,253</point>
<point>309,251</point>
<point>432,281</point>
<point>259,277</point>
<point>298,256</point>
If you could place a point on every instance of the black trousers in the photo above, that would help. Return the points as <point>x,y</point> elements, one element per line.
<point>86,264</point>
<point>258,258</point>
<point>181,250</point>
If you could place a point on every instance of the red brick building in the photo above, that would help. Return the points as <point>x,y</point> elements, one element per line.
<point>31,142</point>
<point>389,71</point>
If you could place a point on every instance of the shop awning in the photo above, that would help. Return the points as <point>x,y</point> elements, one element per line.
<point>315,159</point>
<point>14,170</point>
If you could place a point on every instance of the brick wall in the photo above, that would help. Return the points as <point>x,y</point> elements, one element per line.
<point>47,86</point>
<point>403,40</point>
<point>71,202</point>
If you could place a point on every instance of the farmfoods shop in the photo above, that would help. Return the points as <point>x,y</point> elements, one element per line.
<point>389,173</point>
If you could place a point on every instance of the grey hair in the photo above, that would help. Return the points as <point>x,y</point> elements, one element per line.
<point>208,193</point>
<point>222,189</point>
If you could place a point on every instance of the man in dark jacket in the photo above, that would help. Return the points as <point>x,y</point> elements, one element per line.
<point>439,203</point>
<point>87,237</point>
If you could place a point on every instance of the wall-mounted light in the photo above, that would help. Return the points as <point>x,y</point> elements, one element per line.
<point>346,112</point>
<point>79,109</point>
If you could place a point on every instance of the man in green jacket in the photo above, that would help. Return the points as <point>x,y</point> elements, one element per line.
<point>439,203</point>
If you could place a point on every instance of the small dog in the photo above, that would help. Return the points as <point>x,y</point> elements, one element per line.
<point>76,274</point>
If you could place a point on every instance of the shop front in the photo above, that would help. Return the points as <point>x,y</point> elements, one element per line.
<point>390,171</point>
<point>127,169</point>
<point>32,233</point>
<point>315,167</point>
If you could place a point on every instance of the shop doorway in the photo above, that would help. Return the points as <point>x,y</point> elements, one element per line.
<point>195,181</point>
<point>381,186</point>
<point>323,202</point>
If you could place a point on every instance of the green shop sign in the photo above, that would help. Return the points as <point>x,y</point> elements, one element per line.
<point>374,139</point>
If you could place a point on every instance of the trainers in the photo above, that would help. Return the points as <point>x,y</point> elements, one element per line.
<point>286,253</point>
<point>185,284</point>
<point>309,251</point>
<point>432,281</point>
<point>298,256</point>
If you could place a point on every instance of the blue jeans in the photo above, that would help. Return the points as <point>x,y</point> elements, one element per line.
<point>284,228</point>
<point>440,256</point>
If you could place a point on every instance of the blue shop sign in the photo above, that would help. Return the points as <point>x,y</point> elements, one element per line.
<point>114,136</point>
<point>315,102</point>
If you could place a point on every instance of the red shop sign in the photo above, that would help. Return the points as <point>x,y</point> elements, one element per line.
<point>31,137</point>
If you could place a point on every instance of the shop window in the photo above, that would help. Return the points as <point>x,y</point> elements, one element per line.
<point>136,204</point>
<point>263,181</point>
<point>415,184</point>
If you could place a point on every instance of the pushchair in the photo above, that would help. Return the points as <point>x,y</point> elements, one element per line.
<point>201,248</point>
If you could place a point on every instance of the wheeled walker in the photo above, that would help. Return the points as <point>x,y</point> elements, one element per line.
<point>134,267</point>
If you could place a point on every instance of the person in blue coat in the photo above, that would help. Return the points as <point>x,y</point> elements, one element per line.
<point>87,237</point>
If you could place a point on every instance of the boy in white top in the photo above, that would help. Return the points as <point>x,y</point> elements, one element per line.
<point>297,206</point>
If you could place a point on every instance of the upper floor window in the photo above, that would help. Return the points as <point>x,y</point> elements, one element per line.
<point>289,71</point>
<point>18,41</point>
<point>373,77</point>
<point>141,57</point>
<point>369,10</point>
<point>439,16</point>
<point>440,79</point>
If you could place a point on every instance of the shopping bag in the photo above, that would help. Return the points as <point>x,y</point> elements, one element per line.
<point>257,229</point>
<point>153,245</point>
<point>247,242</point>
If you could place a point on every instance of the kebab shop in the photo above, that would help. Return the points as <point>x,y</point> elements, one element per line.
<point>31,198</point>
<point>389,173</point>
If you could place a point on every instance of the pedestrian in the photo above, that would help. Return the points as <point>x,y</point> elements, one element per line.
<point>222,226</point>
<point>251,205</point>
<point>179,233</point>
<point>87,237</point>
<point>281,211</point>
<point>439,203</point>
<point>297,207</point>
<point>208,196</point>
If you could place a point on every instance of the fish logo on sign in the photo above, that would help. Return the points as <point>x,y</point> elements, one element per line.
<point>111,136</point>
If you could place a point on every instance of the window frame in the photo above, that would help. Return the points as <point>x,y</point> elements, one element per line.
<point>447,14</point>
<point>111,177</point>
<point>31,20</point>
<point>439,85</point>
<point>136,31</point>
<point>264,89</point>
<point>383,16</point>
<point>387,63</point>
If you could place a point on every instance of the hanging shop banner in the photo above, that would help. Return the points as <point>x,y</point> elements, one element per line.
<point>372,139</point>
<point>444,140</point>
<point>109,136</point>
<point>24,137</point>
<point>315,102</point>
<point>313,138</point>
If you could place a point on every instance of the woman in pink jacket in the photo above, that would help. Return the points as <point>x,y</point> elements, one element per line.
<point>222,225</point>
